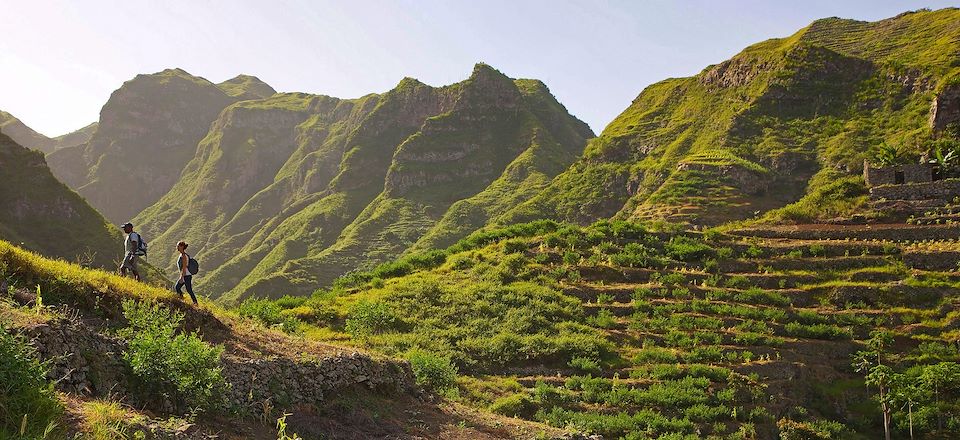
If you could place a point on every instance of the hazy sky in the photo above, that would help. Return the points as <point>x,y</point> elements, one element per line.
<point>59,61</point>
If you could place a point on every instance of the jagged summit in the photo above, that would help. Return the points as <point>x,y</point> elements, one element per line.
<point>148,130</point>
<point>294,190</point>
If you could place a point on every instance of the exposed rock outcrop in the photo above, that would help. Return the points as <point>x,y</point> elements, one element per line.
<point>945,108</point>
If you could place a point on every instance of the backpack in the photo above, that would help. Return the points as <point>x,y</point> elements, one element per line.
<point>193,266</point>
<point>141,246</point>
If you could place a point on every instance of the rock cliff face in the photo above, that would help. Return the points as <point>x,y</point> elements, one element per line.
<point>43,215</point>
<point>749,134</point>
<point>288,192</point>
<point>945,108</point>
<point>148,130</point>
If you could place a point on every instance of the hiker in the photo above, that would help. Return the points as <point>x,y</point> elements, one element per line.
<point>186,276</point>
<point>133,247</point>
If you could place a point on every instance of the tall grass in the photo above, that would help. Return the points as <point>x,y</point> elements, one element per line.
<point>29,408</point>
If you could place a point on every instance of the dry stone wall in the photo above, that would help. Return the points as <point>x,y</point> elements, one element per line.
<point>86,362</point>
<point>945,190</point>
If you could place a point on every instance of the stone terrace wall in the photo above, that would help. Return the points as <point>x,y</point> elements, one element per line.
<point>879,232</point>
<point>945,190</point>
<point>85,362</point>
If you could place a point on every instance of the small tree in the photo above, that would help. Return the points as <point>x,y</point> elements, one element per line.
<point>870,362</point>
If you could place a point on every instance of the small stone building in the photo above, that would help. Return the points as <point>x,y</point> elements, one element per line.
<point>899,174</point>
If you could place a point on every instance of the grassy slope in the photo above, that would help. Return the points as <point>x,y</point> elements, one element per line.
<point>777,113</point>
<point>295,189</point>
<point>89,302</point>
<point>47,216</point>
<point>148,131</point>
<point>614,329</point>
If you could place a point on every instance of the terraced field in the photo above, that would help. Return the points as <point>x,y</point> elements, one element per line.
<point>644,334</point>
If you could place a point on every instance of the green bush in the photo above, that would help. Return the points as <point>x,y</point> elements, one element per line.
<point>585,365</point>
<point>369,318</point>
<point>270,313</point>
<point>514,405</point>
<point>433,372</point>
<point>816,331</point>
<point>178,366</point>
<point>25,393</point>
<point>683,248</point>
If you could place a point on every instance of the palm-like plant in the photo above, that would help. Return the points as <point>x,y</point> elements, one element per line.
<point>944,160</point>
<point>885,155</point>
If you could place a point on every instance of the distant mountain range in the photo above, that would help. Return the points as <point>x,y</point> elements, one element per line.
<point>281,193</point>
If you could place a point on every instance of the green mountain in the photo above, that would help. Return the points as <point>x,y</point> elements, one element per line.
<point>148,131</point>
<point>46,216</point>
<point>292,191</point>
<point>784,119</point>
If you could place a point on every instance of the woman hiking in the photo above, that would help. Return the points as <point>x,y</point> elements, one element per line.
<point>186,278</point>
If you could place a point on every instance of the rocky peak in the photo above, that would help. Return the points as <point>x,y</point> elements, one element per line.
<point>488,87</point>
<point>247,87</point>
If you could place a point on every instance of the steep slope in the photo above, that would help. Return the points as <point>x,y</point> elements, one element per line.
<point>291,191</point>
<point>748,134</point>
<point>46,216</point>
<point>80,330</point>
<point>24,135</point>
<point>148,131</point>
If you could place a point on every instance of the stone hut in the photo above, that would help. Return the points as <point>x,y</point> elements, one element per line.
<point>899,174</point>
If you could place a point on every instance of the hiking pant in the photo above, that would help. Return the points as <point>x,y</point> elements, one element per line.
<point>187,281</point>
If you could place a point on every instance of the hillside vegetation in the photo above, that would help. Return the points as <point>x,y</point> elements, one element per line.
<point>780,121</point>
<point>87,354</point>
<point>292,191</point>
<point>646,331</point>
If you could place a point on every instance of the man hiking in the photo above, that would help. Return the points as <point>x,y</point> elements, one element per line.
<point>132,246</point>
<point>186,276</point>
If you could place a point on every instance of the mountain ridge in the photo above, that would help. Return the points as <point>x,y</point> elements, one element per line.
<point>341,166</point>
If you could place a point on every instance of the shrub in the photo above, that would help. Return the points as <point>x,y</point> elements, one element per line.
<point>370,318</point>
<point>584,365</point>
<point>270,314</point>
<point>603,319</point>
<point>514,405</point>
<point>434,373</point>
<point>683,248</point>
<point>25,393</point>
<point>816,331</point>
<point>179,366</point>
